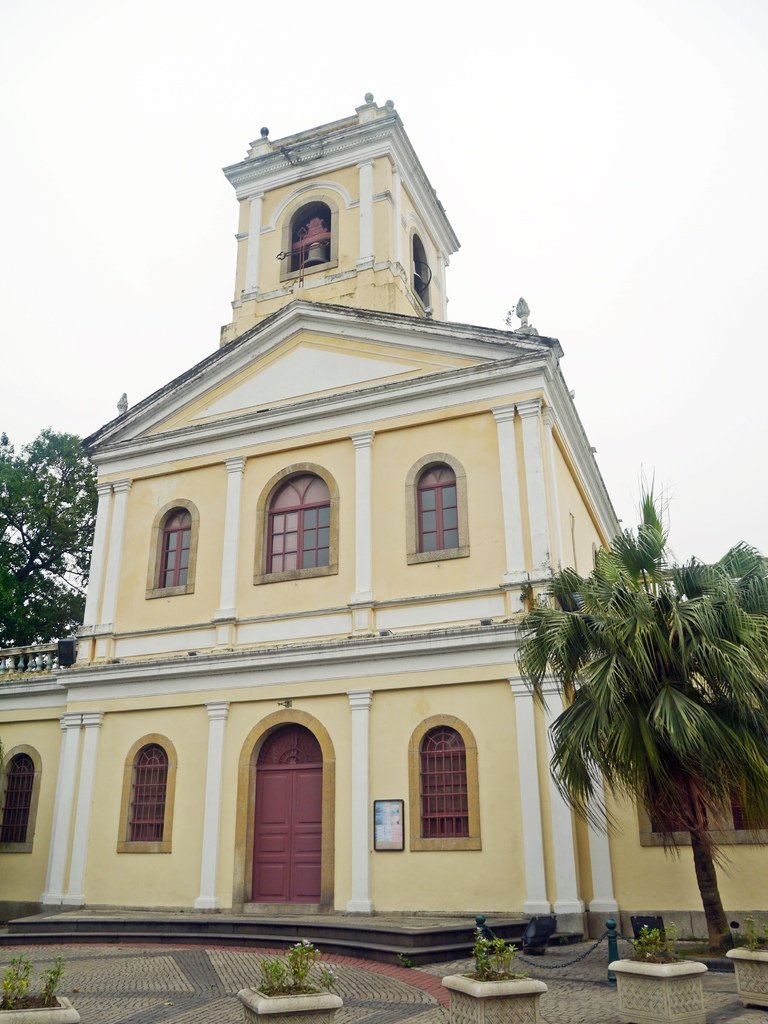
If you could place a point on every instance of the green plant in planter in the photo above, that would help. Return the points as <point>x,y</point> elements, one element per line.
<point>15,985</point>
<point>294,973</point>
<point>493,959</point>
<point>754,937</point>
<point>656,945</point>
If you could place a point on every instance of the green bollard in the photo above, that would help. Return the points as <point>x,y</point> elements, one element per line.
<point>613,948</point>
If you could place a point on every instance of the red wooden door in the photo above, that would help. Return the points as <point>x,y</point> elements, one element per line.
<point>288,825</point>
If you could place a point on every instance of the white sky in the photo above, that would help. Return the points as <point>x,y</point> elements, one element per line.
<point>606,159</point>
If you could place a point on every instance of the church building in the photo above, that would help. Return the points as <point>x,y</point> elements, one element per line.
<point>296,683</point>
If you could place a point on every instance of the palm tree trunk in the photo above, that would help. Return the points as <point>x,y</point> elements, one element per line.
<point>706,877</point>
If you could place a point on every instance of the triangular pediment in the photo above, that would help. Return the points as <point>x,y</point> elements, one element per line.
<point>308,366</point>
<point>314,356</point>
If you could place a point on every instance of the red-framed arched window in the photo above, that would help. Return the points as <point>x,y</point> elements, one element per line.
<point>443,784</point>
<point>150,781</point>
<point>18,799</point>
<point>299,528</point>
<point>438,509</point>
<point>175,547</point>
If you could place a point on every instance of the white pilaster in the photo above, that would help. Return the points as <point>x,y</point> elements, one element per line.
<point>115,552</point>
<point>217,717</point>
<point>567,901</point>
<point>62,810</point>
<point>98,554</point>
<point>397,216</point>
<point>510,494</point>
<point>441,311</point>
<point>254,244</point>
<point>365,259</point>
<point>360,706</point>
<point>603,900</point>
<point>75,896</point>
<point>548,418</point>
<point>530,416</point>
<point>226,609</point>
<point>536,901</point>
<point>363,442</point>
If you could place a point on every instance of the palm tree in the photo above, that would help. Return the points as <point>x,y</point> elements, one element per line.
<point>664,674</point>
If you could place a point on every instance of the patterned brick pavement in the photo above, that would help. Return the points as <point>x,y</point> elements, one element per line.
<point>125,984</point>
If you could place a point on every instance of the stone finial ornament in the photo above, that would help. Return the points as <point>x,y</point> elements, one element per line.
<point>369,97</point>
<point>264,133</point>
<point>522,311</point>
<point>122,405</point>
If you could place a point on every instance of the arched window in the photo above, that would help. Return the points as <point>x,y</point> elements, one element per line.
<point>443,777</point>
<point>177,541</point>
<point>148,793</point>
<point>310,236</point>
<point>444,800</point>
<point>438,509</point>
<point>437,519</point>
<point>422,274</point>
<point>19,784</point>
<point>299,526</point>
<point>173,551</point>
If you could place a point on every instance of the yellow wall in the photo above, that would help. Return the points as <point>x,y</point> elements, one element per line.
<point>22,875</point>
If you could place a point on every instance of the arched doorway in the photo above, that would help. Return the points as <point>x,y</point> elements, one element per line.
<point>287,832</point>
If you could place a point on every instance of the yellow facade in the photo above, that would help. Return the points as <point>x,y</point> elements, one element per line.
<point>346,374</point>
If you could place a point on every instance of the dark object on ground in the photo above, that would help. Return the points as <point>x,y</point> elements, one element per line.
<point>538,933</point>
<point>650,921</point>
<point>483,929</point>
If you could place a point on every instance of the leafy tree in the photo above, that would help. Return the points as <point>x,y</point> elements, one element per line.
<point>663,669</point>
<point>47,514</point>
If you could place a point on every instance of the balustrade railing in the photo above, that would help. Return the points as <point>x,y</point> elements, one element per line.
<point>38,658</point>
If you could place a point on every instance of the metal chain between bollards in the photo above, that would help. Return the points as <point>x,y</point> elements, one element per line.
<point>568,963</point>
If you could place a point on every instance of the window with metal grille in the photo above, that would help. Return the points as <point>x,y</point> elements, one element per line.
<point>299,525</point>
<point>150,778</point>
<point>438,509</point>
<point>18,799</point>
<point>443,785</point>
<point>743,822</point>
<point>176,544</point>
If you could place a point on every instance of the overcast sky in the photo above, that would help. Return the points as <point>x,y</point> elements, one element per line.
<point>607,160</point>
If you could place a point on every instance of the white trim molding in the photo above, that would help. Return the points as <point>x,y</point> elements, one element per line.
<point>363,442</point>
<point>62,810</point>
<point>536,901</point>
<point>226,609</point>
<point>360,898</point>
<point>75,896</point>
<point>217,718</point>
<point>510,495</point>
<point>567,899</point>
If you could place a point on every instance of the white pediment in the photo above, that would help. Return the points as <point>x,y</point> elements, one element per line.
<point>305,371</point>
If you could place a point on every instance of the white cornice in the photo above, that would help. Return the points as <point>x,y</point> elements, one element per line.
<point>336,322</point>
<point>340,147</point>
<point>316,662</point>
<point>574,437</point>
<point>342,412</point>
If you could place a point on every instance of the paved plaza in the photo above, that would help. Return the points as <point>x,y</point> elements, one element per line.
<point>130,984</point>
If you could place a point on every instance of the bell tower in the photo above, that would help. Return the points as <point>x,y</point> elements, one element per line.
<point>342,213</point>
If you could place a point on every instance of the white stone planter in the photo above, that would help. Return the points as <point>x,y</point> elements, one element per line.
<point>64,1013</point>
<point>494,1002</point>
<point>309,1008</point>
<point>751,968</point>
<point>660,993</point>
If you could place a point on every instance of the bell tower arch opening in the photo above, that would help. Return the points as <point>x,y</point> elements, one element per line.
<point>354,254</point>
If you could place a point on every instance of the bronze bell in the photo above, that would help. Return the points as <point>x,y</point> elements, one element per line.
<point>317,252</point>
